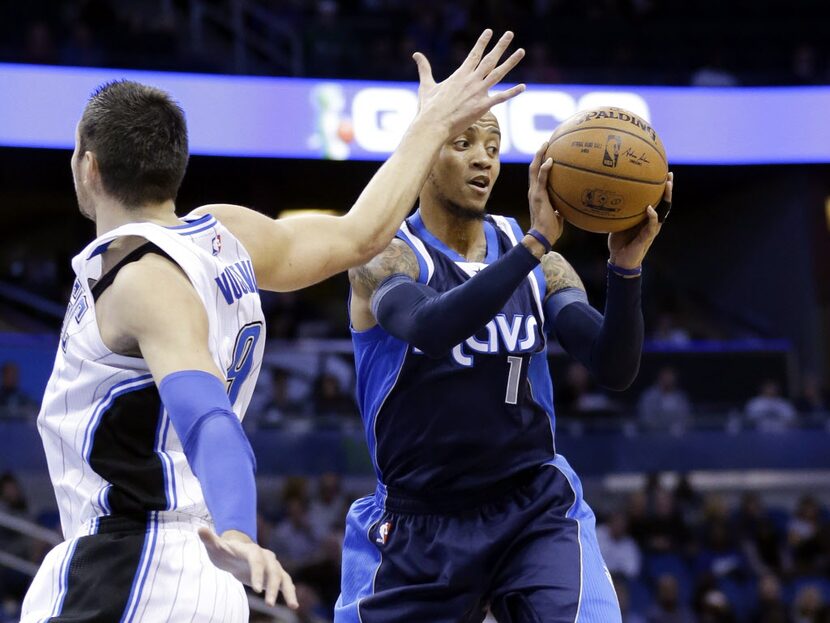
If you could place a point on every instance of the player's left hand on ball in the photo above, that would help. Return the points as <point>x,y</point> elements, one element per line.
<point>249,563</point>
<point>629,247</point>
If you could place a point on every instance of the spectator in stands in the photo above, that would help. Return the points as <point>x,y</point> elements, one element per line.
<point>280,406</point>
<point>770,607</point>
<point>82,49</point>
<point>664,406</point>
<point>636,514</point>
<point>624,599</point>
<point>814,400</point>
<point>808,606</point>
<point>759,536</point>
<point>804,64</point>
<point>13,585</point>
<point>715,608</point>
<point>294,539</point>
<point>39,47</point>
<point>769,411</point>
<point>540,67</point>
<point>668,332</point>
<point>668,607</point>
<point>322,572</point>
<point>713,73</point>
<point>685,497</point>
<point>803,535</point>
<point>667,530</point>
<point>14,403</point>
<point>310,606</point>
<point>720,556</point>
<point>327,506</point>
<point>330,400</point>
<point>619,549</point>
<point>580,396</point>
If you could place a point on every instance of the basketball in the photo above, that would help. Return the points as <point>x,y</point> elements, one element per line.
<point>609,165</point>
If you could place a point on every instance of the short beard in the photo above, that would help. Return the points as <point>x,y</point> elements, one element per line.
<point>464,214</point>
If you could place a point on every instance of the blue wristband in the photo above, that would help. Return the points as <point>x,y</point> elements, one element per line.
<point>541,239</point>
<point>625,272</point>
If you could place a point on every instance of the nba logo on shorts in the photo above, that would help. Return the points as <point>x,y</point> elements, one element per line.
<point>383,533</point>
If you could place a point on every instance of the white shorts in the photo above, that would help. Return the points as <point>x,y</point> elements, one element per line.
<point>122,573</point>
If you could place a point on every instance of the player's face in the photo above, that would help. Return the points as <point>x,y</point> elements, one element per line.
<point>467,167</point>
<point>81,191</point>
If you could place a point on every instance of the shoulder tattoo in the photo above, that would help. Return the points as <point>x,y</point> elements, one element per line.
<point>396,258</point>
<point>559,274</point>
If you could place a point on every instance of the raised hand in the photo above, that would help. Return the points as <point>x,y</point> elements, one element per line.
<point>464,96</point>
<point>629,247</point>
<point>237,554</point>
<point>542,215</point>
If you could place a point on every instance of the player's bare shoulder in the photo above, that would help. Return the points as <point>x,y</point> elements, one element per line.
<point>559,274</point>
<point>397,257</point>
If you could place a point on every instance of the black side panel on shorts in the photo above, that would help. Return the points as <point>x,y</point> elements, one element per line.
<point>101,577</point>
<point>123,453</point>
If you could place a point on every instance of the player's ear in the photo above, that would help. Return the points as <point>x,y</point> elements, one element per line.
<point>90,173</point>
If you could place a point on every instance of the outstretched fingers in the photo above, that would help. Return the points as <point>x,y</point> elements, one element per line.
<point>474,57</point>
<point>424,69</point>
<point>497,74</point>
<point>503,96</point>
<point>492,58</point>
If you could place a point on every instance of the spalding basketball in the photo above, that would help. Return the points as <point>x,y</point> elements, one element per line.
<point>609,165</point>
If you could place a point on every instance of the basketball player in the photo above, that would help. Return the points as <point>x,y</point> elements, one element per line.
<point>474,507</point>
<point>161,347</point>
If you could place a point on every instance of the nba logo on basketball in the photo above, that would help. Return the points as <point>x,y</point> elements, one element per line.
<point>383,533</point>
<point>612,151</point>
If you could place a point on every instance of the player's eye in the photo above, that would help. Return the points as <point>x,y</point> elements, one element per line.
<point>462,144</point>
<point>493,150</point>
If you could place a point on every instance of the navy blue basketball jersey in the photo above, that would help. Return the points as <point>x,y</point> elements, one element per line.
<point>475,417</point>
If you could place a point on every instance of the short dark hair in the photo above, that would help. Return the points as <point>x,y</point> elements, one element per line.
<point>139,137</point>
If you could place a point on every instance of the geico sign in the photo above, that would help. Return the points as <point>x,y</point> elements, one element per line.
<point>380,115</point>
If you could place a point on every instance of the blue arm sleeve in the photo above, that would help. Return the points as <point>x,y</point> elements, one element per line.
<point>610,345</point>
<point>436,322</point>
<point>215,446</point>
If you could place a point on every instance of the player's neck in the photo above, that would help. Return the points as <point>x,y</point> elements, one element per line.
<point>112,214</point>
<point>463,235</point>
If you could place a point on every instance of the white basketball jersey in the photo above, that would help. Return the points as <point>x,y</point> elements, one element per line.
<point>109,443</point>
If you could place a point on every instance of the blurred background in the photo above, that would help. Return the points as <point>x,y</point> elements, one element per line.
<point>710,476</point>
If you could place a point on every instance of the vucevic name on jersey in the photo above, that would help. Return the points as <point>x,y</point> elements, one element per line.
<point>473,418</point>
<point>109,443</point>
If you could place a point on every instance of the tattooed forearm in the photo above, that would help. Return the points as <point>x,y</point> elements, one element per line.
<point>559,274</point>
<point>396,258</point>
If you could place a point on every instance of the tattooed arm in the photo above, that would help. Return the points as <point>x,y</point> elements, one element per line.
<point>397,258</point>
<point>559,274</point>
<point>608,345</point>
<point>386,292</point>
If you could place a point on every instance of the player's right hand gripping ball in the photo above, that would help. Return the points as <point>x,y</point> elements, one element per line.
<point>609,165</point>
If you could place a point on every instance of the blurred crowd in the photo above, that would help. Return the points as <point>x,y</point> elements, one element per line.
<point>675,554</point>
<point>316,392</point>
<point>608,41</point>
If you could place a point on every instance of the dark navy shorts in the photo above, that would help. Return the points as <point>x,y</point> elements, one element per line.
<point>529,554</point>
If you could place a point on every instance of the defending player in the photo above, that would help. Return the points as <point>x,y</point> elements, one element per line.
<point>474,506</point>
<point>161,346</point>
